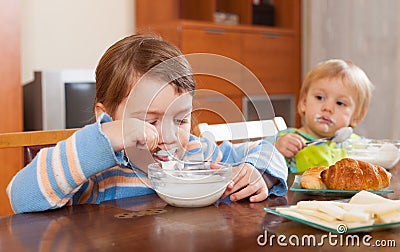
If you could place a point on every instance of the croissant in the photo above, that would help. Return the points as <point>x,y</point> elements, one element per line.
<point>351,174</point>
<point>311,178</point>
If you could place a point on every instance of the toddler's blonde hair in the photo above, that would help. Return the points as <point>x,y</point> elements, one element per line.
<point>351,75</point>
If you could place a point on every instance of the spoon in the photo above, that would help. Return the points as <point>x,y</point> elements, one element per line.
<point>165,155</point>
<point>340,136</point>
<point>167,159</point>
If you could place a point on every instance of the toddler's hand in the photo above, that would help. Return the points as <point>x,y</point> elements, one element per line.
<point>133,132</point>
<point>288,145</point>
<point>247,181</point>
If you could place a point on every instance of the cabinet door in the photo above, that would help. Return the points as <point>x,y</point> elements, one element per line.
<point>219,73</point>
<point>272,58</point>
<point>218,67</point>
<point>211,40</point>
<point>216,108</point>
<point>218,98</point>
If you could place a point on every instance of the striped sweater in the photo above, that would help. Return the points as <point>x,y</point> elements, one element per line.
<point>85,169</point>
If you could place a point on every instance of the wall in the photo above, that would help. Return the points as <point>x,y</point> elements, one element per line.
<point>367,33</point>
<point>71,33</point>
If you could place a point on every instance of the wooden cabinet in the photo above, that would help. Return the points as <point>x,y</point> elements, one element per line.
<point>271,53</point>
<point>271,57</point>
<point>10,94</point>
<point>211,40</point>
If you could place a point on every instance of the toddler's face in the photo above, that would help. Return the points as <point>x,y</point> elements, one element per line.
<point>160,105</point>
<point>329,105</point>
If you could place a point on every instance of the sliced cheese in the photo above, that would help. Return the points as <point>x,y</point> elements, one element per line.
<point>316,213</point>
<point>311,204</point>
<point>382,209</point>
<point>364,208</point>
<point>357,216</point>
<point>389,217</point>
<point>331,209</point>
<point>365,197</point>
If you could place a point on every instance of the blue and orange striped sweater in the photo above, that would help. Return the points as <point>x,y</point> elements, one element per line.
<point>85,169</point>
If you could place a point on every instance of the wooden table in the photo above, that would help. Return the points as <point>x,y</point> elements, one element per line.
<point>148,224</point>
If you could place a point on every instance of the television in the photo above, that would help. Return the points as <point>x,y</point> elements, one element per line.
<point>282,104</point>
<point>59,99</point>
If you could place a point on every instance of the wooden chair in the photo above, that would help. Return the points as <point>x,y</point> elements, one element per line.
<point>242,130</point>
<point>27,144</point>
<point>33,141</point>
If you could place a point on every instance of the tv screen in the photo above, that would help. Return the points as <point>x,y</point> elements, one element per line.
<point>79,100</point>
<point>59,99</point>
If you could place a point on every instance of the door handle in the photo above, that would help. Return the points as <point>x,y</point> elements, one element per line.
<point>214,30</point>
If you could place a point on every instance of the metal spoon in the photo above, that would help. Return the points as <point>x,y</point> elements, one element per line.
<point>340,136</point>
<point>165,155</point>
<point>167,159</point>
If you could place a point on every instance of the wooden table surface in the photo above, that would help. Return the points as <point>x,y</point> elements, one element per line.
<point>146,223</point>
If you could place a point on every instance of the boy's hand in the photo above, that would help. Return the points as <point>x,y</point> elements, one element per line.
<point>133,133</point>
<point>288,145</point>
<point>247,181</point>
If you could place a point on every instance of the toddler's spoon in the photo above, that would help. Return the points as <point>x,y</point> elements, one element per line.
<point>340,136</point>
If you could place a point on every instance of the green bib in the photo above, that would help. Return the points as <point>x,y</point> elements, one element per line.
<point>318,155</point>
<point>324,154</point>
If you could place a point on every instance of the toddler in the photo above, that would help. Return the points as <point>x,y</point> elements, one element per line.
<point>334,94</point>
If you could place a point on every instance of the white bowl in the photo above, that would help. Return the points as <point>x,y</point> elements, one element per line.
<point>383,152</point>
<point>190,187</point>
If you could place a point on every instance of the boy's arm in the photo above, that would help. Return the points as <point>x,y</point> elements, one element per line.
<point>270,180</point>
<point>260,154</point>
<point>56,173</point>
<point>263,156</point>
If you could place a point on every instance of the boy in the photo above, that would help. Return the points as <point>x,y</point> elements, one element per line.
<point>144,89</point>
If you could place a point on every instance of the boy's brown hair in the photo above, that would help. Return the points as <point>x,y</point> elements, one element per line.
<point>129,59</point>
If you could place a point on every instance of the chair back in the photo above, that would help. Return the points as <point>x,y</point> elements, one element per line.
<point>33,141</point>
<point>242,130</point>
<point>30,142</point>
